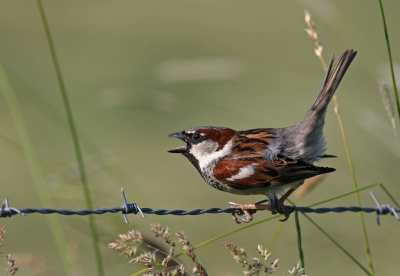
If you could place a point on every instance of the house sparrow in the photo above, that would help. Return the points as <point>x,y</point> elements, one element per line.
<point>269,161</point>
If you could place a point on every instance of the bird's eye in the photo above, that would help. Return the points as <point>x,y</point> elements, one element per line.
<point>196,137</point>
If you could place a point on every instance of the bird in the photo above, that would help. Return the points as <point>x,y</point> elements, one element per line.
<point>265,161</point>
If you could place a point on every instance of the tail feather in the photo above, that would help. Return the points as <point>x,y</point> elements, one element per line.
<point>305,140</point>
<point>330,84</point>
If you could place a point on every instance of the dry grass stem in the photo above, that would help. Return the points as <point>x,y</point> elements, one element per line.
<point>256,266</point>
<point>388,102</point>
<point>297,270</point>
<point>130,243</point>
<point>238,253</point>
<point>313,34</point>
<point>12,267</point>
<point>2,231</point>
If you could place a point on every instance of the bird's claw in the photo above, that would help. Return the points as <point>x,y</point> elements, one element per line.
<point>243,210</point>
<point>277,206</point>
<point>247,210</point>
<point>284,211</point>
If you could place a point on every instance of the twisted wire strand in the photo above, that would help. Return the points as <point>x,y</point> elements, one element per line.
<point>383,210</point>
<point>133,208</point>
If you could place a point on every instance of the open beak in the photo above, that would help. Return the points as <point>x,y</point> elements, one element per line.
<point>180,149</point>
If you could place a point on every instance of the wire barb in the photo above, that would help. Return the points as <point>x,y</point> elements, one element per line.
<point>7,211</point>
<point>129,208</point>
<point>383,209</point>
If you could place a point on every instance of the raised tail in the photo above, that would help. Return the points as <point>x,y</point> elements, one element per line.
<point>330,84</point>
<point>306,140</point>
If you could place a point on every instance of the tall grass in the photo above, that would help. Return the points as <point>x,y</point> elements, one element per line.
<point>75,140</point>
<point>386,94</point>
<point>313,34</point>
<point>34,167</point>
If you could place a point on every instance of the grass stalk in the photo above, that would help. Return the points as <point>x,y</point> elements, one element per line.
<point>337,244</point>
<point>75,140</point>
<point>248,225</point>
<point>298,228</point>
<point>389,195</point>
<point>34,168</point>
<point>396,95</point>
<point>388,104</point>
<point>343,195</point>
<point>314,35</point>
<point>355,185</point>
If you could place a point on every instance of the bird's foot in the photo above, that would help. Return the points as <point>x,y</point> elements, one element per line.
<point>277,206</point>
<point>281,209</point>
<point>284,211</point>
<point>246,210</point>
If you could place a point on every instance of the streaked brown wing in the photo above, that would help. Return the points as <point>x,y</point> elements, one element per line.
<point>296,171</point>
<point>253,140</point>
<point>251,171</point>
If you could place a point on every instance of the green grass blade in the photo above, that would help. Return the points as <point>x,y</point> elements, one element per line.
<point>248,225</point>
<point>301,255</point>
<point>396,95</point>
<point>75,139</point>
<point>313,34</point>
<point>343,195</point>
<point>355,185</point>
<point>337,244</point>
<point>389,195</point>
<point>34,167</point>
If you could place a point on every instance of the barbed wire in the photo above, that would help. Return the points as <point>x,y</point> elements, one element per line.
<point>133,208</point>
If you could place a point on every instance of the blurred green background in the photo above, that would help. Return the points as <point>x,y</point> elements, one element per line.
<point>136,71</point>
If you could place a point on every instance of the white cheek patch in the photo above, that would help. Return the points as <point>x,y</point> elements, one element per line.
<point>243,173</point>
<point>206,153</point>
